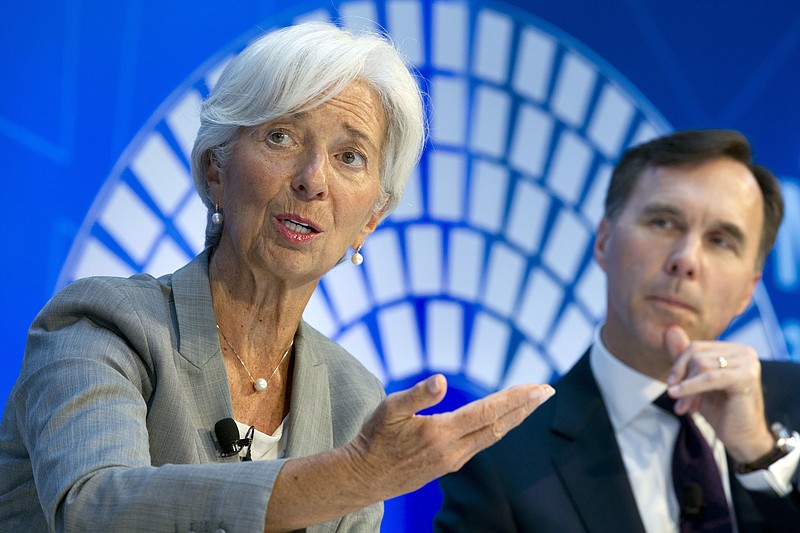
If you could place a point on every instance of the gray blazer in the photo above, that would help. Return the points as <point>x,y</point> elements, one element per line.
<point>110,424</point>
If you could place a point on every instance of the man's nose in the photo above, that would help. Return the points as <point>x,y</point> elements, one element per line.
<point>684,259</point>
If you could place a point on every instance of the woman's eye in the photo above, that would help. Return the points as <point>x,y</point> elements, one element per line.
<point>278,137</point>
<point>352,158</point>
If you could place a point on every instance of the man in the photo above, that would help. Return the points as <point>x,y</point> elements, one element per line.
<point>688,223</point>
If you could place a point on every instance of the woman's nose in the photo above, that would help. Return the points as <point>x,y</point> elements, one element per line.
<point>311,180</point>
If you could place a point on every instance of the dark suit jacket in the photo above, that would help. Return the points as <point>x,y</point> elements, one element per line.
<point>561,470</point>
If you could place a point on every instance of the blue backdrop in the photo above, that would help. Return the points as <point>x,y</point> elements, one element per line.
<point>484,272</point>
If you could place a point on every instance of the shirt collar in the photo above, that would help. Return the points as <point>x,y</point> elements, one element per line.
<point>625,391</point>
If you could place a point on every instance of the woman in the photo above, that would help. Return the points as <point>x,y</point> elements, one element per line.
<point>304,145</point>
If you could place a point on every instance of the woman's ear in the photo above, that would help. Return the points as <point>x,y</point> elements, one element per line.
<point>369,227</point>
<point>214,177</point>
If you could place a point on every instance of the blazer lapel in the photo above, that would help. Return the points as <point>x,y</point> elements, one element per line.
<point>198,344</point>
<point>590,464</point>
<point>310,421</point>
<point>310,427</point>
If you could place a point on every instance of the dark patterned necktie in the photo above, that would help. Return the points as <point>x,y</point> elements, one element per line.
<point>696,478</point>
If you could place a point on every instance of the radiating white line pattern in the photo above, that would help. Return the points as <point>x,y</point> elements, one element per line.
<point>424,253</point>
<point>591,290</point>
<point>184,121</point>
<point>486,353</point>
<point>358,339</point>
<point>576,80</point>
<point>320,314</point>
<point>487,196</point>
<point>490,121</point>
<point>404,19</point>
<point>531,140</point>
<point>485,269</point>
<point>528,366</point>
<point>611,120</point>
<point>535,61</point>
<point>445,332</point>
<point>165,256</point>
<point>503,278</point>
<point>190,220</point>
<point>347,293</point>
<point>465,262</point>
<point>359,15</point>
<point>493,46</point>
<point>384,267</point>
<point>569,167</point>
<point>541,300</point>
<point>572,335</point>
<point>402,345</point>
<point>450,36</point>
<point>594,204</point>
<point>526,221</point>
<point>96,259</point>
<point>448,172</point>
<point>411,205</point>
<point>151,164</point>
<point>449,110</point>
<point>125,210</point>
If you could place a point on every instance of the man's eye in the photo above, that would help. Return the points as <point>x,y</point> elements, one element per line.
<point>352,158</point>
<point>661,222</point>
<point>721,241</point>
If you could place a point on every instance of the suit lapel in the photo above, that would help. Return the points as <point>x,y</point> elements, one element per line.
<point>590,465</point>
<point>310,422</point>
<point>198,344</point>
<point>310,427</point>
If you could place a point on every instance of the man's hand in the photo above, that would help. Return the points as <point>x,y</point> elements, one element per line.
<point>398,451</point>
<point>721,380</point>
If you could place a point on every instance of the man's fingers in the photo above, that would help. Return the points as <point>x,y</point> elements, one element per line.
<point>676,341</point>
<point>426,393</point>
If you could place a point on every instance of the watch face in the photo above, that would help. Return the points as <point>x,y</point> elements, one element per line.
<point>785,443</point>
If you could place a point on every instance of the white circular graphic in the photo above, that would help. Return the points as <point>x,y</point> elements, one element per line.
<point>485,271</point>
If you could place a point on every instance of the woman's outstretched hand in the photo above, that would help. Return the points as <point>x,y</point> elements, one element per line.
<point>396,451</point>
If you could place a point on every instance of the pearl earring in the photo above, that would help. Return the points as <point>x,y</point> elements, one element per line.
<point>217,219</point>
<point>357,258</point>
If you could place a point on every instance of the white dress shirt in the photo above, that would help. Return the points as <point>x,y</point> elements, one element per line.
<point>646,435</point>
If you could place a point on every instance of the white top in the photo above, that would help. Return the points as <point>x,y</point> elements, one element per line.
<point>646,435</point>
<point>264,447</point>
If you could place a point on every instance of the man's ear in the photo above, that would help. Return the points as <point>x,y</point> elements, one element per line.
<point>749,294</point>
<point>601,239</point>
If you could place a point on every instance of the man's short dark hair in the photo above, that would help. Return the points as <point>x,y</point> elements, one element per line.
<point>694,147</point>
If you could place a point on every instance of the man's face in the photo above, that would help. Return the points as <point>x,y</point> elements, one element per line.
<point>682,251</point>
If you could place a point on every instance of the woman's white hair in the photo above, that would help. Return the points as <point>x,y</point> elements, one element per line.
<point>294,69</point>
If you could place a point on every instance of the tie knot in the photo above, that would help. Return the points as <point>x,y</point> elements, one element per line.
<point>666,403</point>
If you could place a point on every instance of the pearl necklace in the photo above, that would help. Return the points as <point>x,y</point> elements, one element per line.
<point>259,384</point>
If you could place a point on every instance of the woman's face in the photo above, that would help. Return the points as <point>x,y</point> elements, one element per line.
<point>299,190</point>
